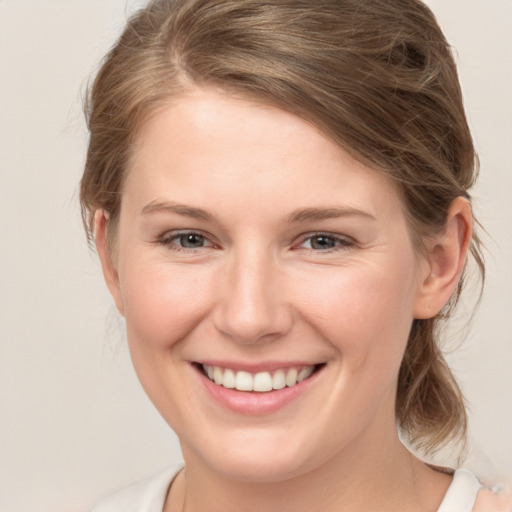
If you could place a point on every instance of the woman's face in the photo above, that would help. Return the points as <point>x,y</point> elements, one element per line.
<point>253,248</point>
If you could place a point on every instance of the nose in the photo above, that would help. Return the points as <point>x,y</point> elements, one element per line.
<point>252,306</point>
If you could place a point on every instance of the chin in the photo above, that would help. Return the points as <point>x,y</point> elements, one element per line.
<point>261,470</point>
<point>258,458</point>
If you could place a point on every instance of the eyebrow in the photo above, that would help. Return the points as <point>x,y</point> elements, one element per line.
<point>309,214</point>
<point>176,208</point>
<point>296,217</point>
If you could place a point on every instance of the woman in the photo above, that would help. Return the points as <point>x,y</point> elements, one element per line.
<point>278,192</point>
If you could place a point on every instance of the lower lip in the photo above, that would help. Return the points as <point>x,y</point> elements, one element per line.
<point>253,402</point>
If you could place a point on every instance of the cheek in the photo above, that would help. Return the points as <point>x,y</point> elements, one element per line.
<point>162,303</point>
<point>365,313</point>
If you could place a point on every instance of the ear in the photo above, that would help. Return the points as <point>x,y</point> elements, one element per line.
<point>445,259</point>
<point>101,219</point>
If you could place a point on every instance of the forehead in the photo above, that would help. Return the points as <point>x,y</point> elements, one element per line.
<point>207,145</point>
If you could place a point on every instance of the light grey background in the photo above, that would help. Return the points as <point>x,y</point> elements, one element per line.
<point>74,422</point>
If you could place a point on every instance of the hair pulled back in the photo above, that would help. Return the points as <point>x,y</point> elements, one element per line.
<point>375,76</point>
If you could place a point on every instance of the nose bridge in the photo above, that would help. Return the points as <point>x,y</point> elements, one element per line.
<point>252,307</point>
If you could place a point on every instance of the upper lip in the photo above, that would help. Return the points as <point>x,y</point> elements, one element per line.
<point>255,367</point>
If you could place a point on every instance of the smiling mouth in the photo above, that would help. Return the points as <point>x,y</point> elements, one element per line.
<point>261,382</point>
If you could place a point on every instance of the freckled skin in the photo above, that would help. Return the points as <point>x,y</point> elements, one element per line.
<point>259,288</point>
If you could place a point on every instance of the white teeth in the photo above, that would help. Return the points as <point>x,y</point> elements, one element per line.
<point>304,373</point>
<point>229,379</point>
<point>243,381</point>
<point>291,377</point>
<point>217,375</point>
<point>278,380</point>
<point>260,382</point>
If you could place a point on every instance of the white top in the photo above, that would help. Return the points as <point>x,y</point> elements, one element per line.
<point>145,496</point>
<point>462,493</point>
<point>149,495</point>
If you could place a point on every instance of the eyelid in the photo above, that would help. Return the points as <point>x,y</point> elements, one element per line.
<point>168,237</point>
<point>345,241</point>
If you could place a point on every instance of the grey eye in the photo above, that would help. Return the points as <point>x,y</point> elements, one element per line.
<point>323,242</point>
<point>191,240</point>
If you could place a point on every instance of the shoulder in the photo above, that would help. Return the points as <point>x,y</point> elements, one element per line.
<point>145,496</point>
<point>466,494</point>
<point>493,500</point>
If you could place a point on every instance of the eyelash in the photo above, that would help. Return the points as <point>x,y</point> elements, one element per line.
<point>169,240</point>
<point>341,243</point>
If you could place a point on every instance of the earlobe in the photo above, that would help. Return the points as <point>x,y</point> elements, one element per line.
<point>445,259</point>
<point>101,219</point>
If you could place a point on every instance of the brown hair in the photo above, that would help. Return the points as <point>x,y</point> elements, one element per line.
<point>376,76</point>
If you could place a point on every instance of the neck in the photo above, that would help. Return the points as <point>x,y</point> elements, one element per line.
<point>381,475</point>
